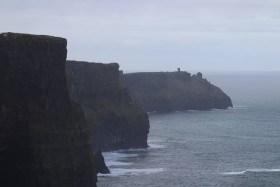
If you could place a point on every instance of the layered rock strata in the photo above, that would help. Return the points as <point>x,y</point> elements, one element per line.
<point>174,91</point>
<point>115,121</point>
<point>44,140</point>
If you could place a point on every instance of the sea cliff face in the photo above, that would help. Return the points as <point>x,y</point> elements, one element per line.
<point>44,140</point>
<point>115,121</point>
<point>171,91</point>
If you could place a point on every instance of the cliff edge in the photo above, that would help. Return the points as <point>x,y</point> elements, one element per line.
<point>115,121</point>
<point>44,140</point>
<point>174,91</point>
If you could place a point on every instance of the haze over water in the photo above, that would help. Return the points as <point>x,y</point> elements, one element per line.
<point>233,147</point>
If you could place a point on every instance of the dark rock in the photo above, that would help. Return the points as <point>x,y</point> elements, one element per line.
<point>171,91</point>
<point>199,75</point>
<point>100,163</point>
<point>44,140</point>
<point>115,121</point>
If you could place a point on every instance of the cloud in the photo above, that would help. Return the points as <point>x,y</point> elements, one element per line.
<point>201,31</point>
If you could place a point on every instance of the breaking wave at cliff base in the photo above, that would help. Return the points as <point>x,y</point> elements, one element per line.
<point>121,162</point>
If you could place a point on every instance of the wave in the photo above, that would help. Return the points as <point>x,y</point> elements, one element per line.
<point>239,107</point>
<point>150,146</point>
<point>125,153</point>
<point>131,172</point>
<point>115,154</point>
<point>115,158</point>
<point>235,107</point>
<point>117,161</point>
<point>155,146</point>
<point>251,171</point>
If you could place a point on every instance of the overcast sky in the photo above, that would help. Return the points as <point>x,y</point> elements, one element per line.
<point>157,35</point>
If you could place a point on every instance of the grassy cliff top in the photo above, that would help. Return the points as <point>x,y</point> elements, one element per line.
<point>158,73</point>
<point>23,36</point>
<point>93,64</point>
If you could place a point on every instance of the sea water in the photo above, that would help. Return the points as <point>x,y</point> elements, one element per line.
<point>239,146</point>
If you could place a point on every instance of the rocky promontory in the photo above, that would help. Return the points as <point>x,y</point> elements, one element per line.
<point>44,140</point>
<point>174,91</point>
<point>115,121</point>
<point>100,163</point>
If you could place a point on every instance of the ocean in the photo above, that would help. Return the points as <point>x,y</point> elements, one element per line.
<point>239,146</point>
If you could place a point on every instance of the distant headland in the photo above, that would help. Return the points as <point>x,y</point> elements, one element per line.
<point>174,91</point>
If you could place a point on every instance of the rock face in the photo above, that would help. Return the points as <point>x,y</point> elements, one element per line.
<point>44,140</point>
<point>100,163</point>
<point>171,91</point>
<point>115,121</point>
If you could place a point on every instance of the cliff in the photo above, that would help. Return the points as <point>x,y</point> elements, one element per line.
<point>174,91</point>
<point>115,121</point>
<point>44,140</point>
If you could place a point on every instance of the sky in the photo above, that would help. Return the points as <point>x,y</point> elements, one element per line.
<point>157,35</point>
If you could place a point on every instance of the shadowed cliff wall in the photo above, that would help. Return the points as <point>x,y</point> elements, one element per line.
<point>44,140</point>
<point>115,121</point>
<point>170,91</point>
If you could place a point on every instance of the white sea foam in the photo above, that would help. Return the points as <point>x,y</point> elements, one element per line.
<point>239,107</point>
<point>115,158</point>
<point>131,172</point>
<point>234,173</point>
<point>252,171</point>
<point>110,163</point>
<point>156,146</point>
<point>118,165</point>
<point>113,155</point>
<point>216,109</point>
